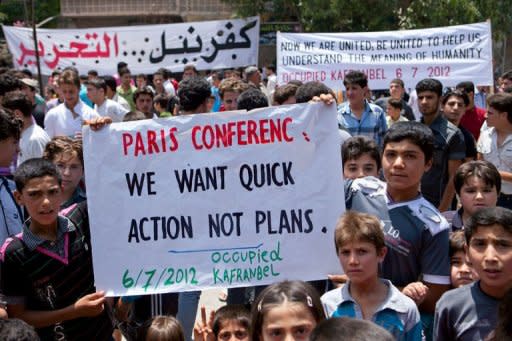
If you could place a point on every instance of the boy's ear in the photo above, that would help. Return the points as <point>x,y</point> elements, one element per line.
<point>382,253</point>
<point>428,164</point>
<point>18,197</point>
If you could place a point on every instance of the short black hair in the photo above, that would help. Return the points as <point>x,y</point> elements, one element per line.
<point>162,100</point>
<point>307,91</point>
<point>395,103</point>
<point>17,100</point>
<point>455,93</point>
<point>17,330</point>
<point>356,77</point>
<point>98,83</point>
<point>9,83</point>
<point>193,92</point>
<point>110,82</point>
<point>355,146</point>
<point>507,75</point>
<point>483,170</point>
<point>488,216</point>
<point>430,84</point>
<point>349,329</point>
<point>232,312</point>
<point>144,91</point>
<point>415,132</point>
<point>466,87</point>
<point>502,102</point>
<point>35,168</point>
<point>92,73</point>
<point>10,126</point>
<point>251,99</point>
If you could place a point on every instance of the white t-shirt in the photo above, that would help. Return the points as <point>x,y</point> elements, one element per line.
<point>500,156</point>
<point>32,143</point>
<point>59,121</point>
<point>112,109</point>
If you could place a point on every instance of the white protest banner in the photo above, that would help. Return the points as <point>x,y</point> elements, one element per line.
<point>208,45</point>
<point>225,199</point>
<point>450,54</point>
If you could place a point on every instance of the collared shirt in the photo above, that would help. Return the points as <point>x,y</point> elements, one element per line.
<point>112,109</point>
<point>77,197</point>
<point>372,123</point>
<point>390,122</point>
<point>397,314</point>
<point>33,140</point>
<point>500,156</point>
<point>127,95</point>
<point>32,240</point>
<point>60,121</point>
<point>448,145</point>
<point>454,218</point>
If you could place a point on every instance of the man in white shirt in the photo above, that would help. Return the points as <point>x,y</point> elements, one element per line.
<point>96,91</point>
<point>33,138</point>
<point>66,118</point>
<point>112,94</point>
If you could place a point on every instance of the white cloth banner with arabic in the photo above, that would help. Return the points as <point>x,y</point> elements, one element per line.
<point>451,54</point>
<point>214,200</point>
<point>208,45</point>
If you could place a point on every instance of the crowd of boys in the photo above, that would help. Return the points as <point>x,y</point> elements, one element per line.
<point>425,246</point>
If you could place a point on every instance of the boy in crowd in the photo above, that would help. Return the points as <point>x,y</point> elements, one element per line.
<point>360,157</point>
<point>126,89</point>
<point>361,248</point>
<point>66,119</point>
<point>230,322</point>
<point>285,94</point>
<point>393,110</point>
<point>229,90</point>
<point>495,143</point>
<point>454,105</point>
<point>461,270</point>
<point>97,93</point>
<point>477,184</point>
<point>11,217</point>
<point>416,233</point>
<point>160,103</point>
<point>46,270</point>
<point>357,115</point>
<point>449,147</point>
<point>33,138</point>
<point>470,312</point>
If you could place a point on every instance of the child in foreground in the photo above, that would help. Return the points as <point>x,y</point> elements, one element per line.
<point>360,157</point>
<point>46,270</point>
<point>361,248</point>
<point>162,328</point>
<point>229,323</point>
<point>471,311</point>
<point>287,310</point>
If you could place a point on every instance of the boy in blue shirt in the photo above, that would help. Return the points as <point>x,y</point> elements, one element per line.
<point>361,248</point>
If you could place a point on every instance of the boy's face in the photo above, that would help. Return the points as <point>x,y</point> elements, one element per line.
<point>231,330</point>
<point>403,164</point>
<point>144,103</point>
<point>476,194</point>
<point>140,81</point>
<point>355,93</point>
<point>360,260</point>
<point>8,147</point>
<point>363,166</point>
<point>70,94</point>
<point>495,117</point>
<point>428,103</point>
<point>392,112</point>
<point>71,170</point>
<point>490,252</point>
<point>229,100</point>
<point>396,91</point>
<point>453,109</point>
<point>461,271</point>
<point>42,198</point>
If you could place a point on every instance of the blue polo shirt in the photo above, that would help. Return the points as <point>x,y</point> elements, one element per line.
<point>372,123</point>
<point>397,314</point>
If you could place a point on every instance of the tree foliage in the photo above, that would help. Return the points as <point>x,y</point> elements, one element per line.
<point>20,10</point>
<point>378,15</point>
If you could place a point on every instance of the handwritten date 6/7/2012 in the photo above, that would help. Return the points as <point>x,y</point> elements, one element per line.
<point>154,278</point>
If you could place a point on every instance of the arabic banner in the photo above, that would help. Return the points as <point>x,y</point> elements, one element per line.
<point>451,54</point>
<point>214,200</point>
<point>209,45</point>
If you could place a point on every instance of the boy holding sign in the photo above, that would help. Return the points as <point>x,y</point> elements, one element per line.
<point>47,269</point>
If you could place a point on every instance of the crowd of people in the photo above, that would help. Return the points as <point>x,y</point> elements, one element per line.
<point>425,245</point>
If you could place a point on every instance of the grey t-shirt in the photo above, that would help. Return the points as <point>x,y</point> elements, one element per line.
<point>465,314</point>
<point>416,233</point>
